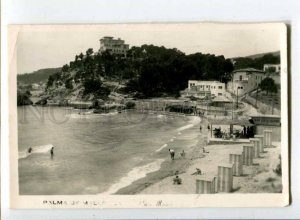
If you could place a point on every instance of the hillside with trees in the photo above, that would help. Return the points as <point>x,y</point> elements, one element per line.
<point>146,71</point>
<point>256,61</point>
<point>37,76</point>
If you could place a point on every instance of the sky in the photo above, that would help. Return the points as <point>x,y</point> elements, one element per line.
<point>53,46</point>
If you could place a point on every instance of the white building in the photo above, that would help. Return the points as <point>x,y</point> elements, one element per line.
<point>272,68</point>
<point>35,86</point>
<point>273,71</point>
<point>245,80</point>
<point>200,89</point>
<point>114,46</point>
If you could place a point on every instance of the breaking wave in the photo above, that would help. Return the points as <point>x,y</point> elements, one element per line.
<point>35,150</point>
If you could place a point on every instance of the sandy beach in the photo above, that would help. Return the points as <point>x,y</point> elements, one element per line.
<point>169,167</point>
<point>258,178</point>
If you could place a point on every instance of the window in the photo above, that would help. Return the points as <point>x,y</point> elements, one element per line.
<point>220,87</point>
<point>219,94</point>
<point>241,77</point>
<point>207,86</point>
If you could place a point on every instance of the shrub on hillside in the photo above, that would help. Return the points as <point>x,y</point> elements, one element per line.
<point>278,170</point>
<point>129,105</point>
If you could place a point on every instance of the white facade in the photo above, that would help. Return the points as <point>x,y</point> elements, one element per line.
<point>35,86</point>
<point>114,46</point>
<point>272,68</point>
<point>245,80</point>
<point>202,88</point>
<point>273,71</point>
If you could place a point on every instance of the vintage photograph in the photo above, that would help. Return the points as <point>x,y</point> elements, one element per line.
<point>151,109</point>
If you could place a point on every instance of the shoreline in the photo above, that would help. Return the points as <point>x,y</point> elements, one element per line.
<point>169,167</point>
<point>258,178</point>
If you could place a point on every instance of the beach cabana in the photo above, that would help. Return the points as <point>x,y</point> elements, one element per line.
<point>221,101</point>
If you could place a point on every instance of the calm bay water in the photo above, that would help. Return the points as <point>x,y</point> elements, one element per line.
<point>94,153</point>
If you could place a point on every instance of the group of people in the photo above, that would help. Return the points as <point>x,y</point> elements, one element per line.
<point>208,127</point>
<point>177,180</point>
<point>172,154</point>
<point>248,132</point>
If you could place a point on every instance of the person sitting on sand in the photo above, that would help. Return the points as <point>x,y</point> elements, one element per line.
<point>177,180</point>
<point>198,172</point>
<point>182,154</point>
<point>172,153</point>
<point>29,150</point>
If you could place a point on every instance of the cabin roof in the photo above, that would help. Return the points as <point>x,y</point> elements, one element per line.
<point>243,122</point>
<point>221,99</point>
<point>248,70</point>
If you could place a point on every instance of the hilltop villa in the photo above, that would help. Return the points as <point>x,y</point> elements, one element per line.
<point>114,46</point>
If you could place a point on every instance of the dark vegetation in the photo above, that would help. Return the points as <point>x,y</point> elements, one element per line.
<point>181,109</point>
<point>37,76</point>
<point>278,170</point>
<point>130,105</point>
<point>268,85</point>
<point>257,62</point>
<point>23,98</point>
<point>147,71</point>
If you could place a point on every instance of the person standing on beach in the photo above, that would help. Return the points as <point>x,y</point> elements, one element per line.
<point>200,128</point>
<point>172,153</point>
<point>52,152</point>
<point>182,154</point>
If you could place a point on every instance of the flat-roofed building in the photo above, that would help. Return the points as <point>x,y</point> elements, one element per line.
<point>113,46</point>
<point>272,68</point>
<point>273,71</point>
<point>198,88</point>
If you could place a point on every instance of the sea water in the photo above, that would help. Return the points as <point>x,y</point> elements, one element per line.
<point>94,153</point>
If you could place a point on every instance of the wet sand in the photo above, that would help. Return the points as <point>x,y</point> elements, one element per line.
<point>169,167</point>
